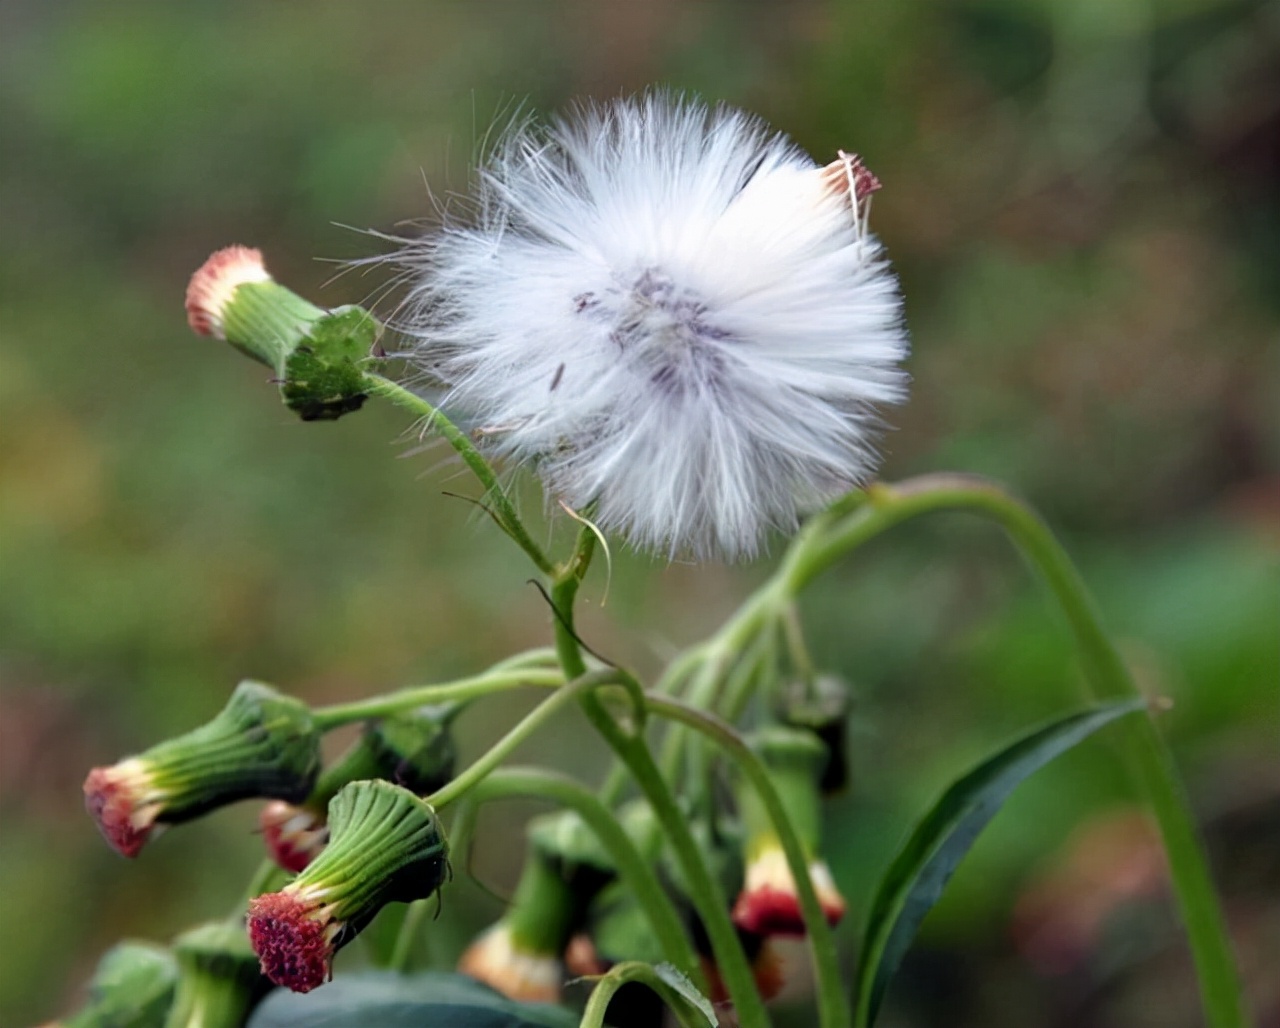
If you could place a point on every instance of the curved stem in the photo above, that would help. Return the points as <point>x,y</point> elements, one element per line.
<point>1221,990</point>
<point>499,751</point>
<point>633,869</point>
<point>833,1006</point>
<point>704,891</point>
<point>687,1013</point>
<point>327,718</point>
<point>503,509</point>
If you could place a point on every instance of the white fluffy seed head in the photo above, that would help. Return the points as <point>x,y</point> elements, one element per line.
<point>670,313</point>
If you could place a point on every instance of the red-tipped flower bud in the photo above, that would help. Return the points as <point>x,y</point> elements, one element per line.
<point>415,750</point>
<point>521,955</point>
<point>768,903</point>
<point>213,286</point>
<point>512,966</point>
<point>261,744</point>
<point>316,355</point>
<point>293,835</point>
<point>385,845</point>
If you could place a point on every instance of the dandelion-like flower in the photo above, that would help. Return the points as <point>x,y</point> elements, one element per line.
<point>671,313</point>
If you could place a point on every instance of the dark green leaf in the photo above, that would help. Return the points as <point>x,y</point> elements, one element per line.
<point>930,856</point>
<point>390,1000</point>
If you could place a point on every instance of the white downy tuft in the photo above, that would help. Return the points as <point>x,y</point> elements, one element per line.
<point>670,313</point>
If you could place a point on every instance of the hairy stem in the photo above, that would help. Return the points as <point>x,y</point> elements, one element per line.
<point>495,496</point>
<point>328,718</point>
<point>530,723</point>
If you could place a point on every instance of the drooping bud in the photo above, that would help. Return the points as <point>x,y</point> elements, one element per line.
<point>233,297</point>
<point>316,354</point>
<point>261,744</point>
<point>768,903</point>
<point>133,987</point>
<point>414,749</point>
<point>292,834</point>
<point>508,965</point>
<point>564,870</point>
<point>386,845</point>
<point>822,705</point>
<point>220,982</point>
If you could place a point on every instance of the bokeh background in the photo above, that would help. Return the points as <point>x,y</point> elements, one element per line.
<point>1083,201</point>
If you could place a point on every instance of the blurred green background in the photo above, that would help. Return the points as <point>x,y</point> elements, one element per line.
<point>1083,201</point>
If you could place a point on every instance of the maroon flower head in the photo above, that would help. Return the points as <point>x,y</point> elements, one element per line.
<point>293,937</point>
<point>769,904</point>
<point>293,835</point>
<point>121,801</point>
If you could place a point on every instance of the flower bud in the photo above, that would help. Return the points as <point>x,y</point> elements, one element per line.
<point>233,297</point>
<point>219,983</point>
<point>315,354</point>
<point>768,903</point>
<point>261,744</point>
<point>132,987</point>
<point>565,869</point>
<point>415,750</point>
<point>822,705</point>
<point>385,846</point>
<point>514,967</point>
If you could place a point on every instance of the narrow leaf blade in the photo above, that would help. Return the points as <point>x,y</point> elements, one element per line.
<point>927,860</point>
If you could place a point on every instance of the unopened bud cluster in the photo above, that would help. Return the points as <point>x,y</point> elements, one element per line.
<point>415,750</point>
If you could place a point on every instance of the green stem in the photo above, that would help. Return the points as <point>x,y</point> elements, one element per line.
<point>633,869</point>
<point>1221,991</point>
<point>688,1013</point>
<point>268,877</point>
<point>328,718</point>
<point>704,891</point>
<point>833,1006</point>
<point>579,688</point>
<point>410,928</point>
<point>496,497</point>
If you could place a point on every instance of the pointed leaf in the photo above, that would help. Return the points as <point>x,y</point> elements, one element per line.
<point>925,863</point>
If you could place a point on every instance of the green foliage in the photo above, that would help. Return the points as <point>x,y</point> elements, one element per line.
<point>924,865</point>
<point>404,1001</point>
<point>1094,324</point>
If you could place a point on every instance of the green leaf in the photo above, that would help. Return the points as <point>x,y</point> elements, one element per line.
<point>925,863</point>
<point>680,984</point>
<point>691,1008</point>
<point>390,1000</point>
